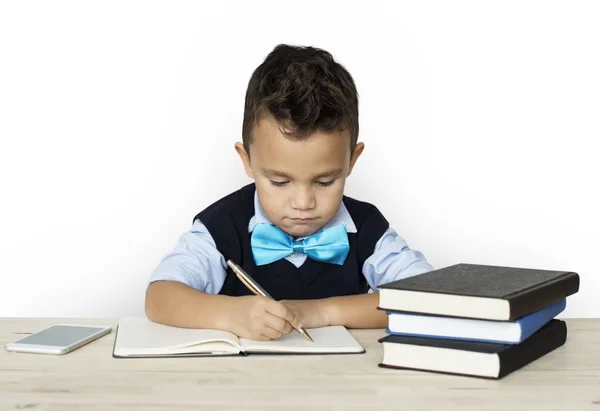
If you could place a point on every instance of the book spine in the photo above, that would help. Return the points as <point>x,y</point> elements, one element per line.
<point>533,322</point>
<point>535,299</point>
<point>538,345</point>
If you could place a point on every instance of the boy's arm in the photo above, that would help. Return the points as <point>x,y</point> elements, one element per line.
<point>173,296</point>
<point>352,311</point>
<point>356,311</point>
<point>253,317</point>
<point>177,304</point>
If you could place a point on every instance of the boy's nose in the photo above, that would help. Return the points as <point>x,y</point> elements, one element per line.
<point>303,199</point>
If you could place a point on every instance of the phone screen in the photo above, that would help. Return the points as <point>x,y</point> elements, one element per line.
<point>60,335</point>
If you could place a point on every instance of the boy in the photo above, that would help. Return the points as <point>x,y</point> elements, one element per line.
<point>317,252</point>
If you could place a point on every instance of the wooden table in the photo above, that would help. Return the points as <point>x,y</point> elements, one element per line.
<point>91,379</point>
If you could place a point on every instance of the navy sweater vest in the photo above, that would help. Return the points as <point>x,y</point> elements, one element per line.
<point>227,221</point>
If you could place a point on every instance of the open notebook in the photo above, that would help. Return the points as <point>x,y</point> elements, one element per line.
<point>140,337</point>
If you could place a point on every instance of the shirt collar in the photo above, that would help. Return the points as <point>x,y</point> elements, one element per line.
<point>341,217</point>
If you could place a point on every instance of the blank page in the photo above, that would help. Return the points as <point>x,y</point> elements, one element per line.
<point>140,336</point>
<point>334,339</point>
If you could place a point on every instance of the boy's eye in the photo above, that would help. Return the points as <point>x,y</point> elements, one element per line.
<point>325,183</point>
<point>279,183</point>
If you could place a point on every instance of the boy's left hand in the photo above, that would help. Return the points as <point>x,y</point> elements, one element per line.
<point>312,313</point>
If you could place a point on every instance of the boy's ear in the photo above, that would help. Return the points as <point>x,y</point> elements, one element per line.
<point>239,147</point>
<point>357,152</point>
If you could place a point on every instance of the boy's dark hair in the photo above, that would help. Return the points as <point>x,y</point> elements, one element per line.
<point>304,90</point>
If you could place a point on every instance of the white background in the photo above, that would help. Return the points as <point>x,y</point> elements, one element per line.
<point>118,120</point>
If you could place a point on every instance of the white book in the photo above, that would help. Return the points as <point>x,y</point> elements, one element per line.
<point>140,337</point>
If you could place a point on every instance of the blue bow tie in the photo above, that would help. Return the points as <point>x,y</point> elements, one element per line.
<point>270,244</point>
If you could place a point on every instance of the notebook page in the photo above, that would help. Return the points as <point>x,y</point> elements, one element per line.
<point>140,336</point>
<point>333,339</point>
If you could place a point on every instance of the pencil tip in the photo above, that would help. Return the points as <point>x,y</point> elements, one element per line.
<point>307,336</point>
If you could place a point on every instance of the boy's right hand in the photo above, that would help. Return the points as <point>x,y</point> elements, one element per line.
<point>260,318</point>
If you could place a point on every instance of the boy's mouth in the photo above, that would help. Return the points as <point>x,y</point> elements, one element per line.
<point>302,220</point>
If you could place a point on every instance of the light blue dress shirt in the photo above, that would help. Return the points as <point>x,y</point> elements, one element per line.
<point>195,260</point>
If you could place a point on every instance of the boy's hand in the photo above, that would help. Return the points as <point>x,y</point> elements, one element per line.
<point>312,313</point>
<point>260,318</point>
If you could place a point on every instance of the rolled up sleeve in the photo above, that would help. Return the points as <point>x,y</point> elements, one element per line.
<point>392,260</point>
<point>195,261</point>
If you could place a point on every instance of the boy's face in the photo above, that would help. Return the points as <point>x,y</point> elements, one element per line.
<point>300,183</point>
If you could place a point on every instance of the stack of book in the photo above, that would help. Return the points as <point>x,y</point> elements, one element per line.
<point>475,320</point>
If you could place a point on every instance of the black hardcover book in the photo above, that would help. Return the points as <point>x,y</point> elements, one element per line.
<point>478,291</point>
<point>470,358</point>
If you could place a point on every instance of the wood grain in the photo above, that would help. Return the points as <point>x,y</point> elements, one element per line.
<point>91,379</point>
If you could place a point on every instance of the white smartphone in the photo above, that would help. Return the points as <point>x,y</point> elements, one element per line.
<point>59,339</point>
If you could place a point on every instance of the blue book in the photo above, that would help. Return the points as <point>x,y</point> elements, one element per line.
<point>504,332</point>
